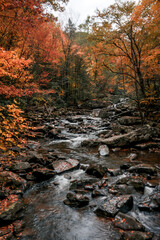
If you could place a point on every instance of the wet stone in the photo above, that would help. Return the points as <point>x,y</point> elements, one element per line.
<point>128,120</point>
<point>151,202</point>
<point>136,181</point>
<point>113,206</point>
<point>114,172</point>
<point>132,156</point>
<point>125,166</point>
<point>67,165</point>
<point>103,150</point>
<point>76,200</point>
<point>98,193</point>
<point>121,189</point>
<point>143,168</point>
<point>80,184</point>
<point>127,222</point>
<point>42,174</point>
<point>96,170</point>
<point>136,235</point>
<point>22,166</point>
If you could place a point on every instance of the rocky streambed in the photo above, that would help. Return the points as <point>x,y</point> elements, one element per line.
<point>84,175</point>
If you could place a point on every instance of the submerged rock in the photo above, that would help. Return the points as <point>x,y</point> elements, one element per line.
<point>76,200</point>
<point>127,222</point>
<point>113,206</point>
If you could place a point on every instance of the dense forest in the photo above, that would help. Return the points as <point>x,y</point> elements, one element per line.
<point>113,53</point>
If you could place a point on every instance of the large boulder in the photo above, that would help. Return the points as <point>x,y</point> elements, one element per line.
<point>127,222</point>
<point>133,137</point>
<point>114,205</point>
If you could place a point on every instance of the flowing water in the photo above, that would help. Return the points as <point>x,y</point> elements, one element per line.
<point>46,216</point>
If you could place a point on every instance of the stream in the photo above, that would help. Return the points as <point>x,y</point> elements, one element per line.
<point>48,218</point>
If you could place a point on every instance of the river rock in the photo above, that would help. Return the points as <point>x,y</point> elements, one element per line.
<point>105,113</point>
<point>96,170</point>
<point>121,189</point>
<point>114,172</point>
<point>90,143</point>
<point>136,235</point>
<point>67,165</point>
<point>147,145</point>
<point>42,174</point>
<point>125,166</point>
<point>80,184</point>
<point>103,150</point>
<point>98,193</point>
<point>22,166</point>
<point>76,200</point>
<point>136,181</point>
<point>18,226</point>
<point>151,202</point>
<point>143,168</point>
<point>129,120</point>
<point>133,137</point>
<point>34,157</point>
<point>12,180</point>
<point>127,222</point>
<point>113,206</point>
<point>9,208</point>
<point>132,156</point>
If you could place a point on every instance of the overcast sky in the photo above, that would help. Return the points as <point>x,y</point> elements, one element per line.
<point>78,10</point>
